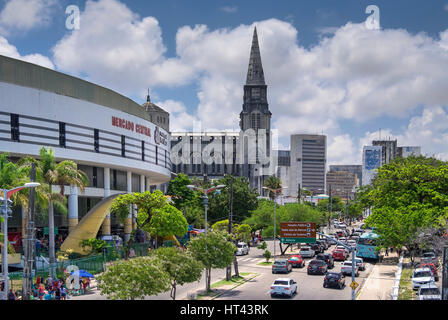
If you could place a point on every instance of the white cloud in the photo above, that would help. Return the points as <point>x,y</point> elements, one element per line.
<point>117,48</point>
<point>23,15</point>
<point>7,49</point>
<point>180,119</point>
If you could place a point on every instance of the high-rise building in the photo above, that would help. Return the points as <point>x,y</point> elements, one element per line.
<point>307,163</point>
<point>353,168</point>
<point>408,151</point>
<point>342,183</point>
<point>389,150</point>
<point>371,161</point>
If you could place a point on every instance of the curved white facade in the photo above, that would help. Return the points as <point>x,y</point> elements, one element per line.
<point>40,114</point>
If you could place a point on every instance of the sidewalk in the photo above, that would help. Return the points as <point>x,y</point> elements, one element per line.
<point>378,285</point>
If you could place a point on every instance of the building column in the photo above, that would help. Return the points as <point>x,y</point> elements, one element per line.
<point>72,208</point>
<point>128,221</point>
<point>105,228</point>
<point>148,185</point>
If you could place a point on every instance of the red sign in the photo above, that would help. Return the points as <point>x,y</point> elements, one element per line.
<point>129,125</point>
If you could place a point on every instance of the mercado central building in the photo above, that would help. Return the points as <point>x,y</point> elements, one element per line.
<point>121,146</point>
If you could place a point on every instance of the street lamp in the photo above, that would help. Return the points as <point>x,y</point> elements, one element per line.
<point>275,191</point>
<point>6,195</point>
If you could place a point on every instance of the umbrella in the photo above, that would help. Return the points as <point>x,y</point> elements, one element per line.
<point>82,274</point>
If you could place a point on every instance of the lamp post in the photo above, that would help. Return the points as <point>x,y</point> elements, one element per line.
<point>275,191</point>
<point>6,195</point>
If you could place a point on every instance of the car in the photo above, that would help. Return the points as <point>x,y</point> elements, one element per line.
<point>334,279</point>
<point>430,257</point>
<point>242,249</point>
<point>352,243</point>
<point>354,237</point>
<point>307,252</point>
<point>339,254</point>
<point>342,239</point>
<point>360,263</point>
<point>317,267</point>
<point>327,258</point>
<point>317,247</point>
<point>283,287</point>
<point>324,243</point>
<point>340,234</point>
<point>347,252</point>
<point>342,226</point>
<point>281,265</point>
<point>296,261</point>
<point>433,268</point>
<point>360,231</point>
<point>420,277</point>
<point>347,267</point>
<point>429,291</point>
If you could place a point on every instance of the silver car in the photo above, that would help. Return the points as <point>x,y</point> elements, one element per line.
<point>307,252</point>
<point>429,291</point>
<point>420,277</point>
<point>242,249</point>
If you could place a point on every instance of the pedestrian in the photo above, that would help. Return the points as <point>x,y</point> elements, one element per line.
<point>41,291</point>
<point>11,295</point>
<point>63,293</point>
<point>57,294</point>
<point>387,252</point>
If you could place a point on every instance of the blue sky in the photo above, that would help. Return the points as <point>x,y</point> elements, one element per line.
<point>325,71</point>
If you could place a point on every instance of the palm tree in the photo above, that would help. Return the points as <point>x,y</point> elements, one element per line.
<point>60,174</point>
<point>274,183</point>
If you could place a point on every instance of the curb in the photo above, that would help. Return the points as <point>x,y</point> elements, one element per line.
<point>396,286</point>
<point>236,286</point>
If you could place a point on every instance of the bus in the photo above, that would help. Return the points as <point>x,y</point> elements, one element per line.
<point>366,246</point>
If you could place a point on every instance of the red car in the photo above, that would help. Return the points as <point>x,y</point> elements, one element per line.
<point>433,268</point>
<point>338,254</point>
<point>296,261</point>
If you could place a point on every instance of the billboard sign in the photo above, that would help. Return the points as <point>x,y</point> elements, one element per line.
<point>297,232</point>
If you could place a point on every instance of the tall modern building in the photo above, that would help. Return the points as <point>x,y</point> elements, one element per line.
<point>341,184</point>
<point>307,163</point>
<point>371,160</point>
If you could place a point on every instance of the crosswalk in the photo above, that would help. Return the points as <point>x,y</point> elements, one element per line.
<point>250,260</point>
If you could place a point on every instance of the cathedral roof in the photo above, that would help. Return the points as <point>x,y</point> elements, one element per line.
<point>255,75</point>
<point>151,107</point>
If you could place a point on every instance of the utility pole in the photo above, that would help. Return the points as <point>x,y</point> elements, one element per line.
<point>445,274</point>
<point>331,209</point>
<point>229,268</point>
<point>300,194</point>
<point>27,279</point>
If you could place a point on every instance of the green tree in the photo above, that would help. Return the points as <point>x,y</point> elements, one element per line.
<point>180,266</point>
<point>181,195</point>
<point>213,250</point>
<point>243,232</point>
<point>244,200</point>
<point>274,183</point>
<point>95,245</point>
<point>267,255</point>
<point>155,214</point>
<point>134,279</point>
<point>407,195</point>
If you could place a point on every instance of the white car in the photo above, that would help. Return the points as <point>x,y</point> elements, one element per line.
<point>342,226</point>
<point>360,263</point>
<point>283,287</point>
<point>243,249</point>
<point>429,291</point>
<point>420,277</point>
<point>352,243</point>
<point>347,267</point>
<point>307,252</point>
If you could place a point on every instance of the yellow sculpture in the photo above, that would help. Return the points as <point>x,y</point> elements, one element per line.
<point>89,226</point>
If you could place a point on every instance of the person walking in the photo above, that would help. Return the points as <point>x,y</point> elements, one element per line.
<point>11,295</point>
<point>63,293</point>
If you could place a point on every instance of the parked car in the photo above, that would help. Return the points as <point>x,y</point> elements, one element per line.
<point>296,261</point>
<point>430,257</point>
<point>281,265</point>
<point>242,249</point>
<point>327,258</point>
<point>317,267</point>
<point>360,263</point>
<point>334,279</point>
<point>433,268</point>
<point>307,252</point>
<point>283,287</point>
<point>342,226</point>
<point>420,277</point>
<point>339,254</point>
<point>347,267</point>
<point>429,291</point>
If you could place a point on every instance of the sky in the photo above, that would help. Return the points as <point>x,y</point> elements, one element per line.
<point>328,68</point>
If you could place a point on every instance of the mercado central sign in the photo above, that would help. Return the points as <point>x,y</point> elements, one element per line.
<point>297,232</point>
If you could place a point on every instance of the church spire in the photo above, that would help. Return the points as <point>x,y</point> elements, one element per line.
<point>255,75</point>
